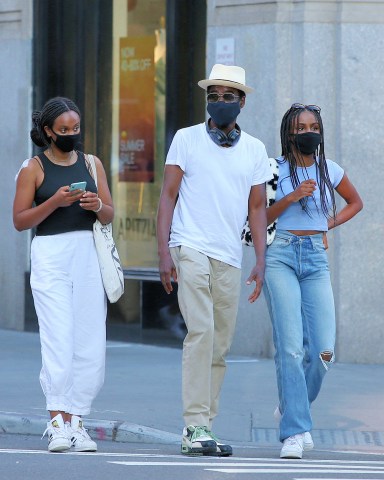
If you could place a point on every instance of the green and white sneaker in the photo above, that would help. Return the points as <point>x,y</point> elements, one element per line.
<point>222,450</point>
<point>197,441</point>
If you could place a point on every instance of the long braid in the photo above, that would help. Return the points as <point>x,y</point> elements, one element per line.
<point>52,109</point>
<point>288,124</point>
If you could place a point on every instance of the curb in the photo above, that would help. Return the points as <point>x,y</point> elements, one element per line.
<point>125,432</point>
<point>16,423</point>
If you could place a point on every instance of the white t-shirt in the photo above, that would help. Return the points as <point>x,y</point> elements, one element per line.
<point>213,198</point>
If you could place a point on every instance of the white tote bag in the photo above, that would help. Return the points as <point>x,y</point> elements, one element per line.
<point>109,261</point>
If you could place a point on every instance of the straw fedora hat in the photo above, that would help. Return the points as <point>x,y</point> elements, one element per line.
<point>227,76</point>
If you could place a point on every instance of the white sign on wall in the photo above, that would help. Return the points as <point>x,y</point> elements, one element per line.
<point>225,51</point>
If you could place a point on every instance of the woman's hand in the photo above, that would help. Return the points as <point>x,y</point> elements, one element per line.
<point>89,201</point>
<point>64,198</point>
<point>325,240</point>
<point>305,189</point>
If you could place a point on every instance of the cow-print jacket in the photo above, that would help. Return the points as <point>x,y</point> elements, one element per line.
<point>271,188</point>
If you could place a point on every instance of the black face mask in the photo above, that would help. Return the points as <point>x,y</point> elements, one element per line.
<point>308,142</point>
<point>66,143</point>
<point>223,114</point>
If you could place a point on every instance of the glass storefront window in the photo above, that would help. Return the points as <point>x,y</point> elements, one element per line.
<point>138,129</point>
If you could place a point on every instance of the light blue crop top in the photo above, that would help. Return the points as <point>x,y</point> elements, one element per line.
<point>294,217</point>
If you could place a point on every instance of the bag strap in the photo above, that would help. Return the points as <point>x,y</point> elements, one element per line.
<point>93,166</point>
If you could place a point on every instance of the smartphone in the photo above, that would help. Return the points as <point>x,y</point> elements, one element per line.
<point>77,186</point>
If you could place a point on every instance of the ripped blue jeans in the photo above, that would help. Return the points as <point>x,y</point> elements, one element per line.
<point>299,295</point>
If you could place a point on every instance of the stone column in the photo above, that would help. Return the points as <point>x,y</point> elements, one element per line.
<point>15,100</point>
<point>328,53</point>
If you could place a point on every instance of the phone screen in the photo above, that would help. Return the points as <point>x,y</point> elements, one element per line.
<point>77,186</point>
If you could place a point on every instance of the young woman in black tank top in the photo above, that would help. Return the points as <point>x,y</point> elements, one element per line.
<point>66,283</point>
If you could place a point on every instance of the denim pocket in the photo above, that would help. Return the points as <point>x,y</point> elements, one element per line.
<point>280,242</point>
<point>318,244</point>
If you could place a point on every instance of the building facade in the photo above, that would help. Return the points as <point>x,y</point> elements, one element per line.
<point>132,67</point>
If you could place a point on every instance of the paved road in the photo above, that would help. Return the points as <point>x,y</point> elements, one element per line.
<point>141,401</point>
<point>25,457</point>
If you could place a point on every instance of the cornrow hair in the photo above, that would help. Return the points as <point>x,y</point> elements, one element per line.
<point>289,121</point>
<point>52,109</point>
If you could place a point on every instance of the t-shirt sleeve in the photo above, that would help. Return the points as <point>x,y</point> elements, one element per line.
<point>23,165</point>
<point>262,172</point>
<point>336,172</point>
<point>177,153</point>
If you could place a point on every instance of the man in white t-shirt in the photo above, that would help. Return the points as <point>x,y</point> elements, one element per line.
<point>214,177</point>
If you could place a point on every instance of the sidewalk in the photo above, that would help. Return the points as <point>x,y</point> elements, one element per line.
<point>141,399</point>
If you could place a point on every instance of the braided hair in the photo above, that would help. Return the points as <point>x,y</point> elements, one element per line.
<point>288,139</point>
<point>52,109</point>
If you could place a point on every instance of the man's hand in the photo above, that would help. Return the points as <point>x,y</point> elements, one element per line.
<point>167,271</point>
<point>171,184</point>
<point>257,275</point>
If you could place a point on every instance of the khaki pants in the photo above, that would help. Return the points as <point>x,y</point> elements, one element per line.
<point>208,294</point>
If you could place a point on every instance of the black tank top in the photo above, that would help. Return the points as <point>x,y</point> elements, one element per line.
<point>64,219</point>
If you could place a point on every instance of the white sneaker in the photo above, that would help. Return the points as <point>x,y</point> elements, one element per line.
<point>58,438</point>
<point>81,441</point>
<point>293,447</point>
<point>307,440</point>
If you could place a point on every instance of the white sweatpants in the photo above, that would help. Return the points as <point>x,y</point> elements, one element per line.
<point>71,307</point>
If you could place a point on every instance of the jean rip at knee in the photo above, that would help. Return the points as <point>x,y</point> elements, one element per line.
<point>327,358</point>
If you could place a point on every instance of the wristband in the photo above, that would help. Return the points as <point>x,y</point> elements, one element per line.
<point>100,205</point>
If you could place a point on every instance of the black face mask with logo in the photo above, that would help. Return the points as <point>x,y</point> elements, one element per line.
<point>307,142</point>
<point>66,143</point>
<point>223,114</point>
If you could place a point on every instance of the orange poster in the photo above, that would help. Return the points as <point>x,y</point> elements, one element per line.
<point>137,109</point>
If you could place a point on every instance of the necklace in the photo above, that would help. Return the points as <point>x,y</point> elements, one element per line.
<point>55,160</point>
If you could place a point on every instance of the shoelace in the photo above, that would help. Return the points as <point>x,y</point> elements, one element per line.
<point>198,432</point>
<point>55,431</point>
<point>83,432</point>
<point>292,441</point>
<point>212,435</point>
<point>45,432</point>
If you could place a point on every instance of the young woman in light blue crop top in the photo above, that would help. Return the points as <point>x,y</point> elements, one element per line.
<point>297,282</point>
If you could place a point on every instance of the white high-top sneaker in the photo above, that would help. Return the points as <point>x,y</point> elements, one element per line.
<point>58,438</point>
<point>80,439</point>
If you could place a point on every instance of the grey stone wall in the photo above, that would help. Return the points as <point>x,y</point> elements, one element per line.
<point>327,53</point>
<point>314,51</point>
<point>15,101</point>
